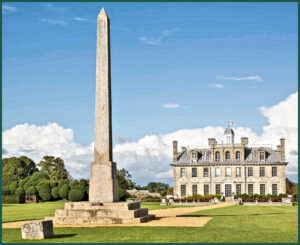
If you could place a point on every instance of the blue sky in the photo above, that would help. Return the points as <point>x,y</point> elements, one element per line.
<point>187,54</point>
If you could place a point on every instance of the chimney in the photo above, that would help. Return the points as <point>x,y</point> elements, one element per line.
<point>183,148</point>
<point>282,149</point>
<point>244,141</point>
<point>211,142</point>
<point>175,152</point>
<point>278,148</point>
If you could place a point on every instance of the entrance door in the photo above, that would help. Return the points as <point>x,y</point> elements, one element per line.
<point>228,190</point>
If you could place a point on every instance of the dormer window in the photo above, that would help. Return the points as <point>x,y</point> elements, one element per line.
<point>227,156</point>
<point>217,156</point>
<point>238,156</point>
<point>262,156</point>
<point>194,156</point>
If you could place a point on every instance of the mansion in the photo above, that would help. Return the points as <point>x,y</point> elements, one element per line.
<point>229,168</point>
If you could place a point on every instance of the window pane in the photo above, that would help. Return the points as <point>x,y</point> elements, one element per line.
<point>194,191</point>
<point>228,172</point>
<point>218,189</point>
<point>183,190</point>
<point>238,155</point>
<point>227,155</point>
<point>274,189</point>
<point>262,189</point>
<point>206,190</point>
<point>182,172</point>
<point>238,172</point>
<point>205,172</point>
<point>217,156</point>
<point>238,189</point>
<point>274,171</point>
<point>250,171</point>
<point>218,172</point>
<point>262,156</point>
<point>250,189</point>
<point>194,172</point>
<point>262,171</point>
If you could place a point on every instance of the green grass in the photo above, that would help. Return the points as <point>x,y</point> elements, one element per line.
<point>29,211</point>
<point>156,205</point>
<point>17,212</point>
<point>235,224</point>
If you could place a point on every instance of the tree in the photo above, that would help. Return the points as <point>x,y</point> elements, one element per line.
<point>20,167</point>
<point>157,186</point>
<point>124,179</point>
<point>54,167</point>
<point>291,187</point>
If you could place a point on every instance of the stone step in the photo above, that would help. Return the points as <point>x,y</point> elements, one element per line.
<point>95,206</point>
<point>100,220</point>
<point>103,213</point>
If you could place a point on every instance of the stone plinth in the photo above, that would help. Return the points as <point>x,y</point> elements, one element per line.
<point>37,230</point>
<point>101,213</point>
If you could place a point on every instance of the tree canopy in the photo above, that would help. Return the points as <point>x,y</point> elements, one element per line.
<point>54,167</point>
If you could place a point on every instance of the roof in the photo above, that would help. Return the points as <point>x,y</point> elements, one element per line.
<point>251,156</point>
<point>228,131</point>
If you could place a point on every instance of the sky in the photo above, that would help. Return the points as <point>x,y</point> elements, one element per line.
<point>179,71</point>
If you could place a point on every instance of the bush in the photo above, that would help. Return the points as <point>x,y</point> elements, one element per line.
<point>23,182</point>
<point>53,183</point>
<point>12,187</point>
<point>31,191</point>
<point>55,193</point>
<point>20,198</point>
<point>43,184</point>
<point>5,190</point>
<point>122,195</point>
<point>45,194</point>
<point>163,193</point>
<point>20,191</point>
<point>74,184</point>
<point>13,198</point>
<point>64,191</point>
<point>83,182</point>
<point>61,183</point>
<point>76,195</point>
<point>37,177</point>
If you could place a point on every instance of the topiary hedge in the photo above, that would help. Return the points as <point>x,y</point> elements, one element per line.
<point>20,191</point>
<point>31,191</point>
<point>12,187</point>
<point>64,191</point>
<point>5,190</point>
<point>76,195</point>
<point>13,198</point>
<point>55,193</point>
<point>45,194</point>
<point>61,183</point>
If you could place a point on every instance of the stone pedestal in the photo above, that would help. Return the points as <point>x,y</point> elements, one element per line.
<point>101,213</point>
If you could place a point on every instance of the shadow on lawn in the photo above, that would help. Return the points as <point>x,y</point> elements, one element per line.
<point>216,215</point>
<point>62,236</point>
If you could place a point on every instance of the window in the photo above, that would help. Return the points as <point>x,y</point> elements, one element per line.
<point>217,156</point>
<point>183,190</point>
<point>218,189</point>
<point>238,156</point>
<point>274,171</point>
<point>262,171</point>
<point>261,155</point>
<point>274,189</point>
<point>194,189</point>
<point>206,190</point>
<point>182,173</point>
<point>194,172</point>
<point>238,189</point>
<point>205,173</point>
<point>250,189</point>
<point>262,189</point>
<point>218,172</point>
<point>227,155</point>
<point>238,172</point>
<point>228,172</point>
<point>194,156</point>
<point>250,171</point>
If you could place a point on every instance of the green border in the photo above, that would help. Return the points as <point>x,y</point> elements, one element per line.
<point>285,1</point>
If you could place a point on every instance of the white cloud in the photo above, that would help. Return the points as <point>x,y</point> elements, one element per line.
<point>54,22</point>
<point>157,40</point>
<point>148,158</point>
<point>8,9</point>
<point>80,19</point>
<point>171,106</point>
<point>216,85</point>
<point>254,78</point>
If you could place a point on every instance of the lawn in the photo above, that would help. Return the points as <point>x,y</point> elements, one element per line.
<point>235,224</point>
<point>17,212</point>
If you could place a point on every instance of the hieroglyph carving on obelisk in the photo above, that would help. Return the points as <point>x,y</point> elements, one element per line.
<point>103,181</point>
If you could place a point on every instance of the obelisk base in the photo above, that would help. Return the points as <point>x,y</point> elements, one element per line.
<point>103,183</point>
<point>101,213</point>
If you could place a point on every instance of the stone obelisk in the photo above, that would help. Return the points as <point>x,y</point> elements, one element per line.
<point>103,181</point>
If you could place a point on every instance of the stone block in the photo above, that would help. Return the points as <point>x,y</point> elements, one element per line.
<point>37,230</point>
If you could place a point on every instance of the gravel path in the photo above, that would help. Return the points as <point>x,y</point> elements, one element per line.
<point>165,217</point>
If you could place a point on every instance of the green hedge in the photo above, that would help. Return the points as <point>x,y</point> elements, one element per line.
<point>64,191</point>
<point>45,194</point>
<point>31,191</point>
<point>55,193</point>
<point>13,198</point>
<point>76,195</point>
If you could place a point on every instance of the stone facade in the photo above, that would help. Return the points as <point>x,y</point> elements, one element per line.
<point>229,168</point>
<point>37,230</point>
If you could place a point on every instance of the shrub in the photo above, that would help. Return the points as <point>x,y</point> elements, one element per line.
<point>61,183</point>
<point>45,194</point>
<point>5,190</point>
<point>20,198</point>
<point>12,187</point>
<point>74,184</point>
<point>122,195</point>
<point>76,195</point>
<point>13,198</point>
<point>83,182</point>
<point>53,183</point>
<point>37,177</point>
<point>44,183</point>
<point>55,193</point>
<point>20,191</point>
<point>31,191</point>
<point>163,192</point>
<point>23,182</point>
<point>64,191</point>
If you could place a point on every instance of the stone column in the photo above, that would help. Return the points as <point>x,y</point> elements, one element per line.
<point>103,181</point>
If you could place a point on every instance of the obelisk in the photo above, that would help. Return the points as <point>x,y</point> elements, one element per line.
<point>103,181</point>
